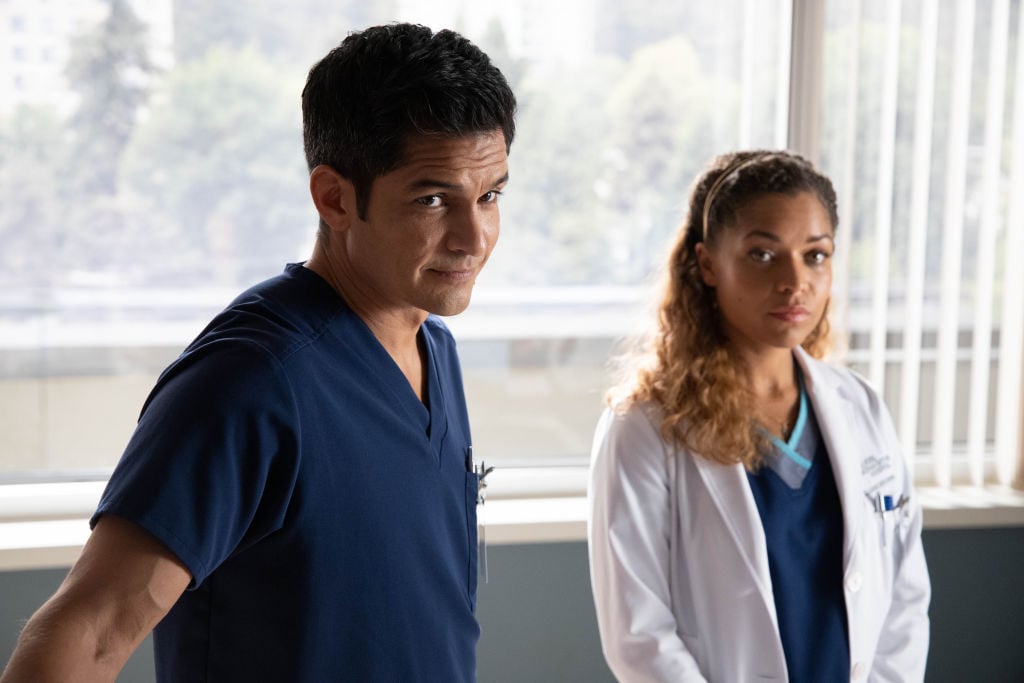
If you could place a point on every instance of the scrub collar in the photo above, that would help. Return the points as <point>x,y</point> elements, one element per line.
<point>788,447</point>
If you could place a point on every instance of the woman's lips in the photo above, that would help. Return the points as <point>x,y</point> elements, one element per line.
<point>790,314</point>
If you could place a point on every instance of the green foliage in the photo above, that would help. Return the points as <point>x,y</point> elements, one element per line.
<point>219,164</point>
<point>32,150</point>
<point>495,43</point>
<point>111,72</point>
<point>551,207</point>
<point>624,26</point>
<point>63,213</point>
<point>284,31</point>
<point>198,173</point>
<point>602,166</point>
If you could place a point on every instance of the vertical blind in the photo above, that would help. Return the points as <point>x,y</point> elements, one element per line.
<point>924,136</point>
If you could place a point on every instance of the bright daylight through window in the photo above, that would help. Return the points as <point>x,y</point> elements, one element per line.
<point>151,168</point>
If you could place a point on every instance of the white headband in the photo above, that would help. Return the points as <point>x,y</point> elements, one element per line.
<point>736,166</point>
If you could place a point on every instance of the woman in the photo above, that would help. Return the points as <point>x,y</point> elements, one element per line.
<point>751,516</point>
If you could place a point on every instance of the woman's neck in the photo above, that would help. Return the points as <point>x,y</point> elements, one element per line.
<point>770,375</point>
<point>773,382</point>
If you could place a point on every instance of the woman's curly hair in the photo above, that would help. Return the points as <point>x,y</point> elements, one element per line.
<point>684,365</point>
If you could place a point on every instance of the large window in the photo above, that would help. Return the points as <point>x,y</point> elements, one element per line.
<point>151,168</point>
<point>158,170</point>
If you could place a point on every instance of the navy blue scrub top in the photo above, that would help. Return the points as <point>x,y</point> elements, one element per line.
<point>326,515</point>
<point>800,511</point>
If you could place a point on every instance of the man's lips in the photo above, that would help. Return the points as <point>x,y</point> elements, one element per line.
<point>454,275</point>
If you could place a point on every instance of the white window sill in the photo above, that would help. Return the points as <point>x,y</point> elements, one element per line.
<point>45,525</point>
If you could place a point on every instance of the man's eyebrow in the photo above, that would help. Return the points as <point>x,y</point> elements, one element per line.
<point>775,238</point>
<point>432,184</point>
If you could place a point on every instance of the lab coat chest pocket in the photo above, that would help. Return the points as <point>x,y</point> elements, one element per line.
<point>868,580</point>
<point>876,542</point>
<point>884,501</point>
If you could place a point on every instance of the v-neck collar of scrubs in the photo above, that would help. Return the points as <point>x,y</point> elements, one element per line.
<point>788,447</point>
<point>431,419</point>
<point>437,417</point>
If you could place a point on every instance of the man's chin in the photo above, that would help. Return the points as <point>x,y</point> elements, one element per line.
<point>452,305</point>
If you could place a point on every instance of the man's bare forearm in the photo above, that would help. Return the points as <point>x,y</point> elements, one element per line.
<point>118,591</point>
<point>60,646</point>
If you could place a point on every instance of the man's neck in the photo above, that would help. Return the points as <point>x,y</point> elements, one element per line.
<point>396,330</point>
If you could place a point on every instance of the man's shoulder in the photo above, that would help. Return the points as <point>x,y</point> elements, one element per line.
<point>280,315</point>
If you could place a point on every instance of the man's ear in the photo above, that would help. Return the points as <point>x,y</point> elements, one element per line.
<point>334,197</point>
<point>706,265</point>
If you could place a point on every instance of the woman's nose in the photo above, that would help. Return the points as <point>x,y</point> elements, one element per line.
<point>793,274</point>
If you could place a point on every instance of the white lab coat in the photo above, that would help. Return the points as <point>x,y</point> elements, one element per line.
<point>679,562</point>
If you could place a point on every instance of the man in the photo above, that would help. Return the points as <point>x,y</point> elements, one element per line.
<point>298,501</point>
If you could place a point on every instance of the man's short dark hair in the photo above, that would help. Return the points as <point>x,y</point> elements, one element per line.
<point>381,85</point>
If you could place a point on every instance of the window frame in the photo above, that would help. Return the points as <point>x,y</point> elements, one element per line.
<point>43,524</point>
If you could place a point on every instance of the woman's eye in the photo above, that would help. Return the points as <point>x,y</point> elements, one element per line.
<point>760,255</point>
<point>433,200</point>
<point>818,257</point>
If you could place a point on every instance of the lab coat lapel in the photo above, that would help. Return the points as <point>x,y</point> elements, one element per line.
<point>834,413</point>
<point>729,488</point>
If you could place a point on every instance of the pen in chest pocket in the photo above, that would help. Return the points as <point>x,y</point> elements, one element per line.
<point>888,509</point>
<point>883,503</point>
<point>481,471</point>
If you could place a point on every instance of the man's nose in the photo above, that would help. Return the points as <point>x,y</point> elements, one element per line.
<point>471,231</point>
